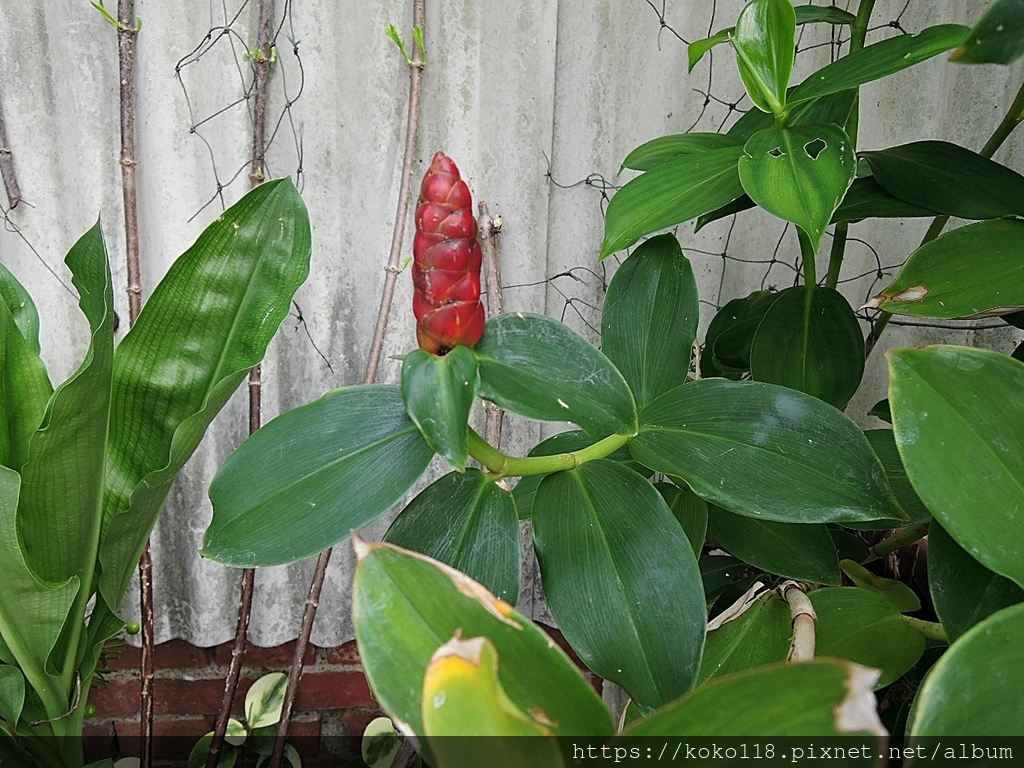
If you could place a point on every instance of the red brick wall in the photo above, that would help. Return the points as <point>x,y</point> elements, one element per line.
<point>333,706</point>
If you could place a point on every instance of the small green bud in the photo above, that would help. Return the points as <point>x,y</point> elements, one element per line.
<point>90,710</point>
<point>132,627</point>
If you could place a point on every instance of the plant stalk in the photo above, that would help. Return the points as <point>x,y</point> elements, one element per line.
<point>257,174</point>
<point>898,540</point>
<point>499,465</point>
<point>416,67</point>
<point>489,231</point>
<point>10,179</point>
<point>803,617</point>
<point>807,255</point>
<point>930,629</point>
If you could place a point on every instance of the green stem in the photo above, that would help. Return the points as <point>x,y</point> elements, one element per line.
<point>835,257</point>
<point>929,629</point>
<point>499,465</point>
<point>900,539</point>
<point>807,253</point>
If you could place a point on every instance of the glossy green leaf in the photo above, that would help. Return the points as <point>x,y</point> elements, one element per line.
<point>731,332</point>
<point>664,149</point>
<point>799,174</point>
<point>469,523</point>
<point>903,598</point>
<point>764,451</point>
<point>635,613</point>
<point>719,571</point>
<point>963,590</point>
<point>997,38</point>
<point>439,393</point>
<point>264,700</point>
<point>22,308</point>
<point>405,606</point>
<point>197,757</point>
<point>650,318</point>
<point>810,340</point>
<point>948,179</point>
<point>883,443</point>
<point>974,689</point>
<point>740,204</point>
<point>879,60</point>
<point>950,403</point>
<point>822,697</point>
<point>690,510</point>
<point>764,39</point>
<point>312,475</point>
<point>671,194</point>
<point>828,109</point>
<point>865,628</point>
<point>758,636</point>
<point>867,199</point>
<point>803,552</point>
<point>209,321</point>
<point>695,51</point>
<point>848,545</point>
<point>976,270</point>
<point>12,693</point>
<point>535,366</point>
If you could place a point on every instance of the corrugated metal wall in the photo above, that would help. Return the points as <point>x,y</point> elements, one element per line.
<point>538,102</point>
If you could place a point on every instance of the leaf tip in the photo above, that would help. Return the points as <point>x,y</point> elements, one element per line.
<point>360,546</point>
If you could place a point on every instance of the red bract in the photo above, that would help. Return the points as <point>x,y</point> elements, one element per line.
<point>446,262</point>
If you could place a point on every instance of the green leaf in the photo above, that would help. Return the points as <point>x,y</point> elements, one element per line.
<point>664,149</point>
<point>718,572</point>
<point>799,174</point>
<point>964,591</point>
<point>469,523</point>
<point>758,636</point>
<point>867,199</point>
<point>830,108</point>
<point>764,451</point>
<point>312,475</point>
<point>650,318</point>
<point>948,179</point>
<point>740,204</point>
<point>197,757</point>
<point>883,443</point>
<point>405,606</point>
<point>950,403</point>
<point>12,693</point>
<point>903,598</point>
<point>731,332</point>
<point>264,700</point>
<point>535,366</point>
<point>695,51</point>
<point>865,628</point>
<point>380,743</point>
<point>635,613</point>
<point>974,689</point>
<point>973,271</point>
<point>690,510</point>
<point>822,697</point>
<point>810,340</point>
<point>671,194</point>
<point>439,393</point>
<point>878,60</point>
<point>208,321</point>
<point>764,41</point>
<point>803,552</point>
<point>997,38</point>
<point>21,307</point>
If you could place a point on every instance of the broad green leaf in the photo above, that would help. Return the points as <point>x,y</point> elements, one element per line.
<point>977,270</point>
<point>799,174</point>
<point>810,340</point>
<point>867,199</point>
<point>764,451</point>
<point>731,332</point>
<point>380,743</point>
<point>621,579</point>
<point>764,40</point>
<point>650,318</point>
<point>738,205</point>
<point>32,612</point>
<point>878,60</point>
<point>664,149</point>
<point>469,523</point>
<point>822,697</point>
<point>695,51</point>
<point>535,366</point>
<point>205,325</point>
<point>950,404</point>
<point>719,571</point>
<point>803,552</point>
<point>848,545</point>
<point>948,179</point>
<point>265,699</point>
<point>964,591</point>
<point>974,689</point>
<point>405,606</point>
<point>12,693</point>
<point>671,194</point>
<point>903,598</point>
<point>439,393</point>
<point>312,475</point>
<point>865,628</point>
<point>22,308</point>
<point>760,635</point>
<point>197,757</point>
<point>883,443</point>
<point>690,510</point>
<point>832,108</point>
<point>997,38</point>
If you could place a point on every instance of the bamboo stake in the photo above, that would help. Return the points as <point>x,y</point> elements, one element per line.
<point>7,164</point>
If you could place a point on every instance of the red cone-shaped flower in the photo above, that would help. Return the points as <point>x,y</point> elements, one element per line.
<point>446,262</point>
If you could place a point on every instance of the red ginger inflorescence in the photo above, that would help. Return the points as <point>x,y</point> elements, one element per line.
<point>446,262</point>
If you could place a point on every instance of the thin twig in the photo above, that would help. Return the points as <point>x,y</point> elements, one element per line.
<point>392,271</point>
<point>257,174</point>
<point>7,164</point>
<point>490,229</point>
<point>803,616</point>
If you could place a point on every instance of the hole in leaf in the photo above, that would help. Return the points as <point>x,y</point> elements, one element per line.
<point>815,148</point>
<point>777,152</point>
